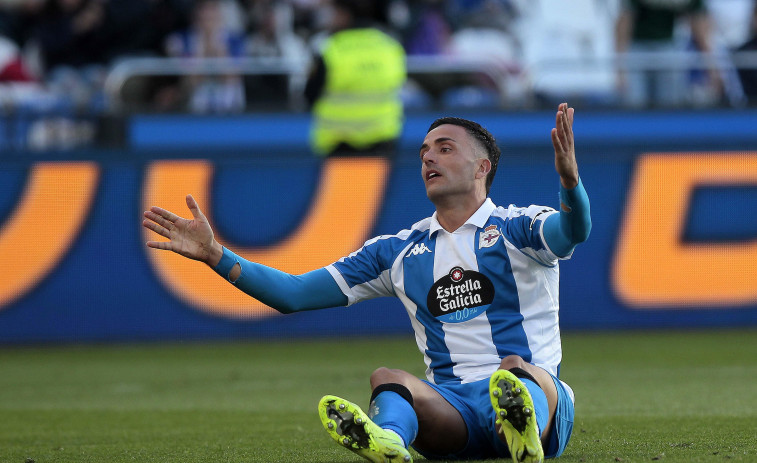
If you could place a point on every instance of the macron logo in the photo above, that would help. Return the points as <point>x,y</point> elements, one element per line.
<point>419,248</point>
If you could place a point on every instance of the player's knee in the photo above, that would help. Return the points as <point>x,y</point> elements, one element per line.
<point>385,375</point>
<point>512,361</point>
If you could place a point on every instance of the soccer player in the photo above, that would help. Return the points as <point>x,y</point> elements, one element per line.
<point>480,284</point>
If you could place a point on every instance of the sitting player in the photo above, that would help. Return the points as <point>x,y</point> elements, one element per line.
<point>480,285</point>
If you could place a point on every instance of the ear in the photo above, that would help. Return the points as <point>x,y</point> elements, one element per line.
<point>484,168</point>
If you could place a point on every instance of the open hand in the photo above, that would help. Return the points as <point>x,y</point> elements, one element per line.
<point>565,152</point>
<point>190,238</point>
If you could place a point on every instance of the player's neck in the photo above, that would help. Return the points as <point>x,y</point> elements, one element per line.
<point>454,213</point>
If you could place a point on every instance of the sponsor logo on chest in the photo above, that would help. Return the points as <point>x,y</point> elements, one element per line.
<point>460,295</point>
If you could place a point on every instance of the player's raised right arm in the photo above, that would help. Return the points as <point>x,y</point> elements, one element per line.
<point>190,238</point>
<point>284,292</point>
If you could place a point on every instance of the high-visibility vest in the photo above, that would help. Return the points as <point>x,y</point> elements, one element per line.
<point>360,104</point>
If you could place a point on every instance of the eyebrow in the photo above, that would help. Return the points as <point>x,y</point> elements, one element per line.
<point>437,141</point>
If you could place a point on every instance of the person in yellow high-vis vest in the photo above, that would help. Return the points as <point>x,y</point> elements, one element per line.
<point>355,86</point>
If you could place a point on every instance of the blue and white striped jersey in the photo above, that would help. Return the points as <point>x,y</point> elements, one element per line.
<point>488,290</point>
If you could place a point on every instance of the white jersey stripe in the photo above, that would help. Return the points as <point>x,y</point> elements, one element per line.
<point>538,307</point>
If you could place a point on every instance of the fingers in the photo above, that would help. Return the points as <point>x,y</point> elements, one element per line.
<point>562,134</point>
<point>567,120</point>
<point>193,207</point>
<point>164,222</point>
<point>168,215</point>
<point>160,230</point>
<point>159,220</point>
<point>556,141</point>
<point>558,133</point>
<point>164,245</point>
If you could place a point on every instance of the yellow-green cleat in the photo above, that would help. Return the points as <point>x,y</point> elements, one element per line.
<point>350,427</point>
<point>515,414</point>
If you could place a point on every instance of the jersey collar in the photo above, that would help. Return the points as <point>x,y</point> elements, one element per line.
<point>478,219</point>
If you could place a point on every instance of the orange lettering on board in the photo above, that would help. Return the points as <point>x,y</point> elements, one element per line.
<point>45,222</point>
<point>652,267</point>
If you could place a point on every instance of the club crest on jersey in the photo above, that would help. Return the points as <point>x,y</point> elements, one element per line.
<point>419,248</point>
<point>488,237</point>
<point>460,295</point>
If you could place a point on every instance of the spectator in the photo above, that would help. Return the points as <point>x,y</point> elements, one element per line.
<point>482,14</point>
<point>272,37</point>
<point>306,13</point>
<point>748,74</point>
<point>19,88</point>
<point>31,103</point>
<point>12,67</point>
<point>730,21</point>
<point>271,33</point>
<point>568,59</point>
<point>483,31</point>
<point>71,33</point>
<point>210,37</point>
<point>140,27</point>
<point>17,18</point>
<point>429,29</point>
<point>72,37</point>
<point>646,26</point>
<point>355,85</point>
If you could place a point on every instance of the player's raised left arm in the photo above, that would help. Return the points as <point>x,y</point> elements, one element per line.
<point>564,231</point>
<point>565,151</point>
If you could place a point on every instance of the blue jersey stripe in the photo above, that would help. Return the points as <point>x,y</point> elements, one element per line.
<point>418,279</point>
<point>504,312</point>
<point>523,231</point>
<point>370,261</point>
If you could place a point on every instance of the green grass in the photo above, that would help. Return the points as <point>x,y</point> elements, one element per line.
<point>662,396</point>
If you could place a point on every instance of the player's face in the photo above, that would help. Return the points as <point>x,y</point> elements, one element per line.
<point>451,165</point>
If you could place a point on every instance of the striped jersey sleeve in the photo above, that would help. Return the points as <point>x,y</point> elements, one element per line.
<point>524,228</point>
<point>366,273</point>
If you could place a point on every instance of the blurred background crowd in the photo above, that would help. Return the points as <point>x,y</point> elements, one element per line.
<point>97,56</point>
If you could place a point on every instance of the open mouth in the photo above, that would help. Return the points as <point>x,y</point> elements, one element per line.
<point>432,174</point>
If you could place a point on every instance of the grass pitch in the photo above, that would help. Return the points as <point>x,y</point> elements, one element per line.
<point>661,396</point>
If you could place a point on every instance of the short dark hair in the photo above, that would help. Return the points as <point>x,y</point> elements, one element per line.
<point>482,137</point>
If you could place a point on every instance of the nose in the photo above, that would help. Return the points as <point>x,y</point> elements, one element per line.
<point>428,157</point>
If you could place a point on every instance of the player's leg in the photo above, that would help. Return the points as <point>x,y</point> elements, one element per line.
<point>404,410</point>
<point>352,428</point>
<point>524,399</point>
<point>543,381</point>
<point>441,429</point>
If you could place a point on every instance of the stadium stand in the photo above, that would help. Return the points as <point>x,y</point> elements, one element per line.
<point>146,56</point>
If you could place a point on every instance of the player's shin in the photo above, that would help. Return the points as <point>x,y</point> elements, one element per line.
<point>521,411</point>
<point>541,407</point>
<point>391,408</point>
